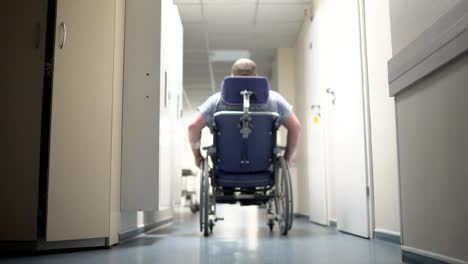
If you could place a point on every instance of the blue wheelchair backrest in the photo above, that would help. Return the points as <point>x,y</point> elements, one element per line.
<point>245,141</point>
<point>232,87</point>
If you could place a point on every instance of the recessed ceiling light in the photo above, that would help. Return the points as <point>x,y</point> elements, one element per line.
<point>228,55</point>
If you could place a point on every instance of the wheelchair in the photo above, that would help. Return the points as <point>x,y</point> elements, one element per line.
<point>247,165</point>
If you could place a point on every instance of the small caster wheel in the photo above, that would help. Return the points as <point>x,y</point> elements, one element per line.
<point>271,224</point>
<point>211,225</point>
<point>194,208</point>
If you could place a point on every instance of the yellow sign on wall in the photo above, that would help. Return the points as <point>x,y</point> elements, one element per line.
<point>316,119</point>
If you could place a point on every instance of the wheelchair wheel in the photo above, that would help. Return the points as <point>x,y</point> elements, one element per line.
<point>290,192</point>
<point>283,197</point>
<point>204,199</point>
<point>271,224</point>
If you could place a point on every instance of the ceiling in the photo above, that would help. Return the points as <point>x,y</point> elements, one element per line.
<point>256,26</point>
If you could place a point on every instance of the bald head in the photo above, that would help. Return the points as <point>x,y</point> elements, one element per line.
<point>244,67</point>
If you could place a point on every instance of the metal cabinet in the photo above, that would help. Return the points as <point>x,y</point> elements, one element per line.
<point>60,134</point>
<point>151,105</point>
<point>80,136</point>
<point>22,50</point>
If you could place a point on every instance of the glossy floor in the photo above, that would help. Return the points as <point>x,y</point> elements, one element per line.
<point>242,238</point>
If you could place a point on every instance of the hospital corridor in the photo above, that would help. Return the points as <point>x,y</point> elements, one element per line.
<point>234,131</point>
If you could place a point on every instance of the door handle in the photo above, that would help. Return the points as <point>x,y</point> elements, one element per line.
<point>37,42</point>
<point>64,34</point>
<point>317,109</point>
<point>330,91</point>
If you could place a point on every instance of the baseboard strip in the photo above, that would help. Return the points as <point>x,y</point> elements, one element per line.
<point>41,245</point>
<point>418,256</point>
<point>299,215</point>
<point>388,236</point>
<point>71,244</point>
<point>141,230</point>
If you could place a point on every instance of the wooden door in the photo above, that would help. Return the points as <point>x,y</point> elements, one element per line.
<point>23,27</point>
<point>80,145</point>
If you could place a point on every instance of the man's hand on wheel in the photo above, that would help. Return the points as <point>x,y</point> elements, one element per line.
<point>199,161</point>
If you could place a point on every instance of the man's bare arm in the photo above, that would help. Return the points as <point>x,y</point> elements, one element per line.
<point>293,126</point>
<point>195,131</point>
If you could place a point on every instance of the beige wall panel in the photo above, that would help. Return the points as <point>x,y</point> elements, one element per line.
<point>141,106</point>
<point>432,131</point>
<point>80,147</point>
<point>283,80</point>
<point>411,18</point>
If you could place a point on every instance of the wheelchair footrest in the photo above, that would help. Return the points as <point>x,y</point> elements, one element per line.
<point>243,198</point>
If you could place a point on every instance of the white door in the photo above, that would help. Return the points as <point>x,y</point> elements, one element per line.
<point>327,78</point>
<point>350,155</point>
<point>313,78</point>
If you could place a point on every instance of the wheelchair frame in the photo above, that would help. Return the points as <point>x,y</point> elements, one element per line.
<point>278,197</point>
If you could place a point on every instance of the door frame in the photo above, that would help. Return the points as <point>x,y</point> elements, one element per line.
<point>367,118</point>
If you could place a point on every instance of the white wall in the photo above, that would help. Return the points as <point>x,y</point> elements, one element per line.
<point>176,82</point>
<point>283,79</point>
<point>382,107</point>
<point>187,158</point>
<point>170,102</point>
<point>411,18</point>
<point>301,101</point>
<point>286,79</point>
<point>274,75</point>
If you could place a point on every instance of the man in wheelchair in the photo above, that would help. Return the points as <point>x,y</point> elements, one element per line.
<point>247,166</point>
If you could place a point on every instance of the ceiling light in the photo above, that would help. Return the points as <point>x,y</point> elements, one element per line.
<point>228,55</point>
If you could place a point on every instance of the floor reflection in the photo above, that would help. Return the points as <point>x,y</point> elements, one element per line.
<point>243,237</point>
